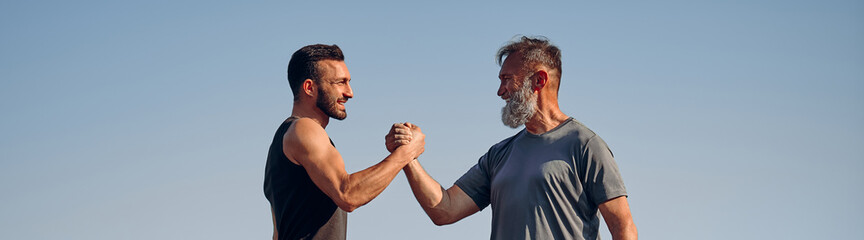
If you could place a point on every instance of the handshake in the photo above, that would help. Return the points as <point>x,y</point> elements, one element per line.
<point>406,135</point>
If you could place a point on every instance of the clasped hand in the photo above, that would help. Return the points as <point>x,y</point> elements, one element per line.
<point>402,134</point>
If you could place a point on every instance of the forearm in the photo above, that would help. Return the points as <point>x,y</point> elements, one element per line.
<point>429,193</point>
<point>625,231</point>
<point>363,186</point>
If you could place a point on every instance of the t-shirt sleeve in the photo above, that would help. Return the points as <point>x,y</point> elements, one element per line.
<point>603,180</point>
<point>476,182</point>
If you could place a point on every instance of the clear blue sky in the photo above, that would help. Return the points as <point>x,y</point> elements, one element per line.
<point>151,119</point>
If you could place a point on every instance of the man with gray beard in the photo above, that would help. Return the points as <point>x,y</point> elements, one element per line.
<point>552,180</point>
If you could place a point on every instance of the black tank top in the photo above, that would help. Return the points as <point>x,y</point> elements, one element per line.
<point>301,210</point>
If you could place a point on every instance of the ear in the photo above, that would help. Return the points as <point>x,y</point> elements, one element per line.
<point>541,78</point>
<point>309,87</point>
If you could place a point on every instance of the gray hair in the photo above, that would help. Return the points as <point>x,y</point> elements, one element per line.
<point>534,50</point>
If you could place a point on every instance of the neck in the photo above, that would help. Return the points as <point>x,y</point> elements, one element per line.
<point>547,117</point>
<point>306,110</point>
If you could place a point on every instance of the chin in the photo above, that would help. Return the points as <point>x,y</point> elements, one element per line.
<point>340,117</point>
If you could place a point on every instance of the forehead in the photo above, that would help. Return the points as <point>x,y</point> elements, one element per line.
<point>333,69</point>
<point>512,64</point>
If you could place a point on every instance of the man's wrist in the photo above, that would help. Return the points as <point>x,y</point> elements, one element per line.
<point>411,164</point>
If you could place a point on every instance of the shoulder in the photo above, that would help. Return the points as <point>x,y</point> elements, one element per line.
<point>497,152</point>
<point>589,140</point>
<point>504,144</point>
<point>305,127</point>
<point>305,131</point>
<point>597,143</point>
<point>578,130</point>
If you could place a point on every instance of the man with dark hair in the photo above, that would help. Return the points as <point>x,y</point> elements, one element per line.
<point>551,180</point>
<point>305,180</point>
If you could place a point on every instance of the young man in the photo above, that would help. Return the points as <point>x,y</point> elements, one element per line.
<point>305,180</point>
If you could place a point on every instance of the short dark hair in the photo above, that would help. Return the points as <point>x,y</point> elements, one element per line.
<point>534,50</point>
<point>303,64</point>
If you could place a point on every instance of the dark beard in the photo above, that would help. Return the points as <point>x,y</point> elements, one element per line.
<point>329,107</point>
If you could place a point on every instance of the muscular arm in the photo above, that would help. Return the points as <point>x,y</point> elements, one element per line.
<point>307,143</point>
<point>616,212</point>
<point>442,206</point>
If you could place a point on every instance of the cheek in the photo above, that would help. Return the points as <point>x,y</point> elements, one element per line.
<point>326,93</point>
<point>511,87</point>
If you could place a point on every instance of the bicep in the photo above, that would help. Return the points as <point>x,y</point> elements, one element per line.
<point>326,169</point>
<point>312,149</point>
<point>616,212</point>
<point>459,204</point>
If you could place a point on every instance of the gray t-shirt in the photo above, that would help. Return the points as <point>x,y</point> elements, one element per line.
<point>545,186</point>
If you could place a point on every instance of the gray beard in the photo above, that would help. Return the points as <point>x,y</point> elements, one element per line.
<point>520,107</point>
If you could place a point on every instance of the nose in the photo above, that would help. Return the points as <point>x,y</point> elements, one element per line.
<point>502,90</point>
<point>349,93</point>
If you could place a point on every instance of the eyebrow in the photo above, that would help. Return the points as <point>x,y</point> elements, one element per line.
<point>337,79</point>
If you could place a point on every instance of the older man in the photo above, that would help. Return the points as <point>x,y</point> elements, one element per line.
<point>549,181</point>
